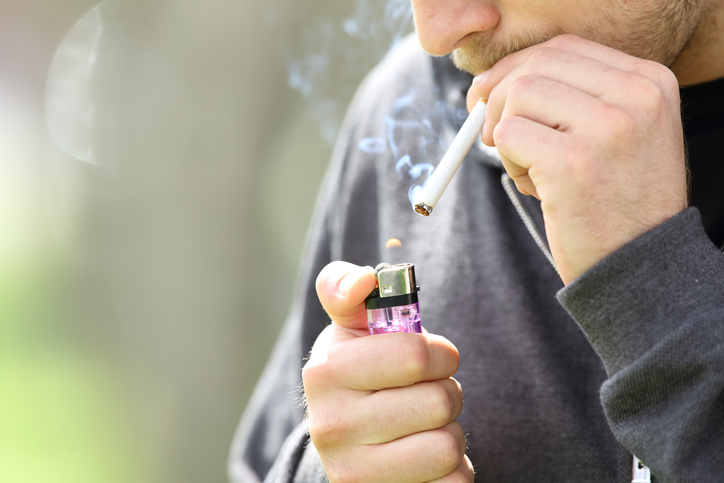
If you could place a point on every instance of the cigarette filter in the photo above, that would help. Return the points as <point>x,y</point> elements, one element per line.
<point>393,305</point>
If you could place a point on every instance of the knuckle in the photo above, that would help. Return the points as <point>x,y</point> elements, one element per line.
<point>564,40</point>
<point>543,55</point>
<point>335,361</point>
<point>668,81</point>
<point>458,390</point>
<point>449,453</point>
<point>522,86</point>
<point>658,73</point>
<point>459,477</point>
<point>496,102</point>
<point>649,94</point>
<point>327,429</point>
<point>504,132</point>
<point>581,164</point>
<point>616,120</point>
<point>314,376</point>
<point>344,473</point>
<point>440,406</point>
<point>417,358</point>
<point>309,375</point>
<point>450,351</point>
<point>317,432</point>
<point>581,153</point>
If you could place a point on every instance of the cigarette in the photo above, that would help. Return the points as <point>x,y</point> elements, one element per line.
<point>431,192</point>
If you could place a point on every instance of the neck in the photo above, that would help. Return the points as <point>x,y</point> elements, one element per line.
<point>702,59</point>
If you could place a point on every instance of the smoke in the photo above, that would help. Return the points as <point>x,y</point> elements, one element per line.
<point>327,59</point>
<point>327,55</point>
<point>326,47</point>
<point>367,23</point>
<point>409,122</point>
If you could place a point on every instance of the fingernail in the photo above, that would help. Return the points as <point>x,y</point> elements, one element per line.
<point>480,78</point>
<point>348,280</point>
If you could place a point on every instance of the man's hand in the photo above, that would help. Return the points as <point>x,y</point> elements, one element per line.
<point>381,408</point>
<point>593,133</point>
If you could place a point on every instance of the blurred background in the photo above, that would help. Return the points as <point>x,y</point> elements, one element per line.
<point>159,162</point>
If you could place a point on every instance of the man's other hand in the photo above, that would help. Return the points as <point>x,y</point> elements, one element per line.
<point>595,135</point>
<point>381,408</point>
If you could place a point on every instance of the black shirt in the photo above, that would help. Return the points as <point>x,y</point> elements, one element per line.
<point>703,116</point>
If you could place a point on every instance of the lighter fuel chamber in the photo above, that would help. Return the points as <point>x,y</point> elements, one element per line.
<point>393,305</point>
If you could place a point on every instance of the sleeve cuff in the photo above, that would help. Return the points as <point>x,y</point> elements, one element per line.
<point>639,294</point>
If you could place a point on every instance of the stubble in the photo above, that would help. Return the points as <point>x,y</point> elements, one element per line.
<point>655,30</point>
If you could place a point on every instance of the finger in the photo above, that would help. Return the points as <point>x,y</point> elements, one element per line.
<point>588,76</point>
<point>550,102</point>
<point>342,288</point>
<point>472,98</point>
<point>520,177</point>
<point>331,336</point>
<point>615,58</point>
<point>464,473</point>
<point>390,360</point>
<point>419,457</point>
<point>421,407</point>
<point>564,44</point>
<point>534,150</point>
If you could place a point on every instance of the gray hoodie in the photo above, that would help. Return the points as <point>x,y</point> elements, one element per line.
<point>561,384</point>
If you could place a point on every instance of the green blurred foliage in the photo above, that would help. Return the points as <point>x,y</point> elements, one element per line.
<point>64,413</point>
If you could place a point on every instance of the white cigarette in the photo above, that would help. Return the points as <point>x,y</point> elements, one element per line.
<point>430,193</point>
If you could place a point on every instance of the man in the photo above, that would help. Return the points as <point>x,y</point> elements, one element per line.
<point>566,371</point>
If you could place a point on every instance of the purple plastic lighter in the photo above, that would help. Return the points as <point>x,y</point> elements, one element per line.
<point>393,305</point>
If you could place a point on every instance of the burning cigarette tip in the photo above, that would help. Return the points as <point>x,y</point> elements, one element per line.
<point>423,209</point>
<point>393,242</point>
<point>433,188</point>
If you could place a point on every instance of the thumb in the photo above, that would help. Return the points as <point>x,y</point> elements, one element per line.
<point>342,288</point>
<point>473,96</point>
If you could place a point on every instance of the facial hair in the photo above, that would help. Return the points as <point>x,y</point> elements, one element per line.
<point>655,30</point>
<point>481,52</point>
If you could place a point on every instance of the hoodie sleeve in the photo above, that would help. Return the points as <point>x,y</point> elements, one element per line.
<point>654,312</point>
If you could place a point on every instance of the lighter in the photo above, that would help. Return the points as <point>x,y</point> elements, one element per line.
<point>393,305</point>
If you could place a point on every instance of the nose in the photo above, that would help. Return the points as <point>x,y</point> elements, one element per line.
<point>441,24</point>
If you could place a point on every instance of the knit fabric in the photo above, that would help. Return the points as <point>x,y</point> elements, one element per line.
<point>629,360</point>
